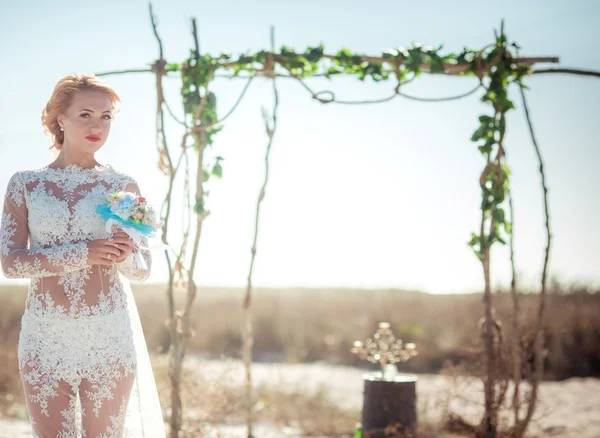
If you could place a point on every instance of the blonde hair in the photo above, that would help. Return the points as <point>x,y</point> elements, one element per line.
<point>62,97</point>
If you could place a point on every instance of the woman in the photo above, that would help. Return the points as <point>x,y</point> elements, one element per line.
<point>82,356</point>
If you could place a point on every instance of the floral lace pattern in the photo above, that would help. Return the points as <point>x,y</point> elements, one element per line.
<point>76,354</point>
<point>9,226</point>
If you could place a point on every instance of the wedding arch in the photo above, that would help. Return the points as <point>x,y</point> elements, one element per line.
<point>494,67</point>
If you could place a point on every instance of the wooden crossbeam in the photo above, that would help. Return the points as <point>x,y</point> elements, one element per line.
<point>449,69</point>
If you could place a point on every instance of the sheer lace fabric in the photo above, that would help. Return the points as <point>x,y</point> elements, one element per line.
<point>82,355</point>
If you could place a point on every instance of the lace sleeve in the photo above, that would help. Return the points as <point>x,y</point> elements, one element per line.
<point>131,267</point>
<point>19,261</point>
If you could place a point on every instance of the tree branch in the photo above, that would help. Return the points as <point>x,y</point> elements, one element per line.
<point>449,69</point>
<point>196,41</point>
<point>572,71</point>
<point>539,326</point>
<point>122,72</point>
<point>160,46</point>
<point>247,331</point>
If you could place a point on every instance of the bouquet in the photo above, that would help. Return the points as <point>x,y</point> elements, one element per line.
<point>132,214</point>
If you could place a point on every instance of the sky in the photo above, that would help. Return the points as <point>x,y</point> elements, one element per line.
<point>376,196</point>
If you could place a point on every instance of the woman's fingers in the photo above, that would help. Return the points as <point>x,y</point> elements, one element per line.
<point>106,252</point>
<point>116,242</point>
<point>111,249</point>
<point>125,246</point>
<point>122,235</point>
<point>102,242</point>
<point>123,241</point>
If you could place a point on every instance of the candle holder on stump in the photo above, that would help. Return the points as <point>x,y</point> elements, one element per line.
<point>389,398</point>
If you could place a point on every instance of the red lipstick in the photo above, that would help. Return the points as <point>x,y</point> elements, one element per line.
<point>93,138</point>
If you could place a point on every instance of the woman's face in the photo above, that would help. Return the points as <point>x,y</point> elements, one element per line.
<point>87,121</point>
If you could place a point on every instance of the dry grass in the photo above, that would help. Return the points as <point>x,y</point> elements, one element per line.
<point>304,325</point>
<point>212,401</point>
<point>11,392</point>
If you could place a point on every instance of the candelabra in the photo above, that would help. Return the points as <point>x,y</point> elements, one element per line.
<point>384,348</point>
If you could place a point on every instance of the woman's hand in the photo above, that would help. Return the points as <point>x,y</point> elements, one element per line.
<point>102,252</point>
<point>123,242</point>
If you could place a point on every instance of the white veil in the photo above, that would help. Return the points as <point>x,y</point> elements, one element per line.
<point>144,418</point>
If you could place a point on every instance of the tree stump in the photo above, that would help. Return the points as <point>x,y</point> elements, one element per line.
<point>389,406</point>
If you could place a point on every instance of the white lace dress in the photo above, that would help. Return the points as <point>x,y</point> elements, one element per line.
<point>82,354</point>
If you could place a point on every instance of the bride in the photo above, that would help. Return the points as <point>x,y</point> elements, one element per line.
<point>82,356</point>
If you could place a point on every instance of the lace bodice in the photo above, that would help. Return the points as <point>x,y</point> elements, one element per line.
<point>49,215</point>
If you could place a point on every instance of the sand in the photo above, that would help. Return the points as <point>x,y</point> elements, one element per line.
<point>568,409</point>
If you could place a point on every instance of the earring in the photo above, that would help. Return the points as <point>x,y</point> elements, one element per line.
<point>62,129</point>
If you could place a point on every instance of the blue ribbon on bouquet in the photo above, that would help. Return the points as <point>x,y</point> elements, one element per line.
<point>106,213</point>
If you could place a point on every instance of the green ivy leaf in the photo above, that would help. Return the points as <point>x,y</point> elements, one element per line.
<point>217,170</point>
<point>474,240</point>
<point>437,64</point>
<point>498,215</point>
<point>199,206</point>
<point>485,149</point>
<point>344,53</point>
